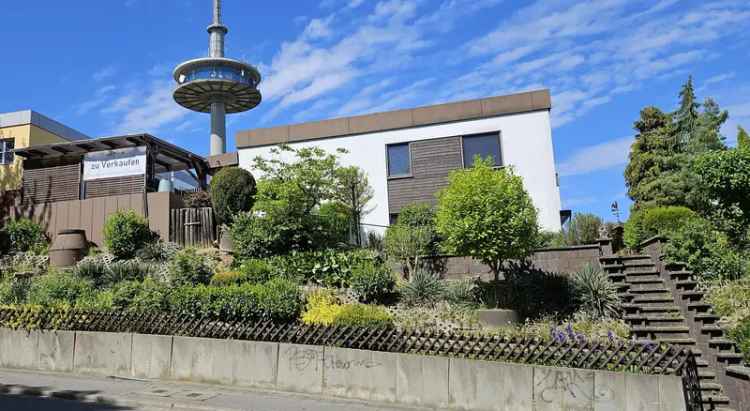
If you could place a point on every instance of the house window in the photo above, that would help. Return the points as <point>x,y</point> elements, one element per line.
<point>399,160</point>
<point>6,151</point>
<point>484,145</point>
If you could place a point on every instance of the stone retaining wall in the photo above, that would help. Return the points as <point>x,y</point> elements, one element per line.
<point>437,382</point>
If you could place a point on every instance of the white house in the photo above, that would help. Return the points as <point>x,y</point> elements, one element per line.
<point>408,154</point>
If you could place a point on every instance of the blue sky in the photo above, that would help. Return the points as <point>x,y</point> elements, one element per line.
<point>104,67</point>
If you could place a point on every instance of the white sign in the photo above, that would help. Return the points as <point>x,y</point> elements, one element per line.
<point>114,163</point>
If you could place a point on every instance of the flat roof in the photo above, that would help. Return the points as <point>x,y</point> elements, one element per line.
<point>19,118</point>
<point>169,157</point>
<point>398,119</point>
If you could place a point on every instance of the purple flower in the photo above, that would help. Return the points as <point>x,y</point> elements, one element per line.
<point>611,336</point>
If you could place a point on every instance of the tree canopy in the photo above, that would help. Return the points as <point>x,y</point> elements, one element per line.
<point>487,214</point>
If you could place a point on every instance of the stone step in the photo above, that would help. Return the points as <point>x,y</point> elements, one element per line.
<point>686,284</point>
<point>681,275</point>
<point>714,400</point>
<point>730,358</point>
<point>691,295</point>
<point>660,329</point>
<point>712,329</point>
<point>648,290</point>
<point>710,386</point>
<point>706,374</point>
<point>700,307</point>
<point>636,281</point>
<point>638,273</point>
<point>721,343</point>
<point>674,341</point>
<point>636,319</point>
<point>706,318</point>
<point>652,300</point>
<point>666,308</point>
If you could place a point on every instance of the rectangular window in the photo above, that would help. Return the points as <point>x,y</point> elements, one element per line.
<point>6,151</point>
<point>399,160</point>
<point>484,145</point>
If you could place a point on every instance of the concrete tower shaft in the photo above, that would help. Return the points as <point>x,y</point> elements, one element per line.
<point>216,84</point>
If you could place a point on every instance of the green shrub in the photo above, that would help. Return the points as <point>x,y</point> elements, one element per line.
<point>277,299</point>
<point>707,251</point>
<point>407,244</point>
<point>127,270</point>
<point>323,309</point>
<point>253,236</point>
<point>189,267</point>
<point>93,269</point>
<point>741,335</point>
<point>151,297</point>
<point>372,282</point>
<point>255,270</point>
<point>596,295</point>
<point>61,288</point>
<point>329,268</point>
<point>644,224</point>
<point>227,278</point>
<point>423,288</point>
<point>417,215</point>
<point>582,229</point>
<point>232,191</point>
<point>363,315</point>
<point>158,251</point>
<point>461,293</point>
<point>14,290</point>
<point>26,235</point>
<point>96,301</point>
<point>126,232</point>
<point>532,292</point>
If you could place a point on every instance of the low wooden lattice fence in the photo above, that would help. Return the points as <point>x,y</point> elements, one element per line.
<point>607,355</point>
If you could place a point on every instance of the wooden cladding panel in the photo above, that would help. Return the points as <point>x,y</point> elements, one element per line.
<point>59,183</point>
<point>115,186</point>
<point>431,162</point>
<point>90,214</point>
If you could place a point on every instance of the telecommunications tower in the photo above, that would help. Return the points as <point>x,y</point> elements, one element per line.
<point>216,84</point>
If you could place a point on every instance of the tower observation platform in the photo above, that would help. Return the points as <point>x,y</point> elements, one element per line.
<point>216,84</point>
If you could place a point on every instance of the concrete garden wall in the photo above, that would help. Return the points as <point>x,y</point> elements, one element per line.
<point>437,382</point>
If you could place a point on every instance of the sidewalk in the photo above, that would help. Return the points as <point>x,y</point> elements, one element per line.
<point>26,390</point>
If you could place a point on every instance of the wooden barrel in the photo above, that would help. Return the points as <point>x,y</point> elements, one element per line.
<point>68,248</point>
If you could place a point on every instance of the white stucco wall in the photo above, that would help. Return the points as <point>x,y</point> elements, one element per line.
<point>526,145</point>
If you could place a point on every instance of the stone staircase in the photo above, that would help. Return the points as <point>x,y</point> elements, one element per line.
<point>661,303</point>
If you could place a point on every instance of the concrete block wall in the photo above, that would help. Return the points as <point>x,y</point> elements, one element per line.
<point>418,380</point>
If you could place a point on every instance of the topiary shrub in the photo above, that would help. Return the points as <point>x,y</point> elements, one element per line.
<point>126,232</point>
<point>55,289</point>
<point>372,282</point>
<point>25,235</point>
<point>644,224</point>
<point>188,267</point>
<point>232,191</point>
<point>255,270</point>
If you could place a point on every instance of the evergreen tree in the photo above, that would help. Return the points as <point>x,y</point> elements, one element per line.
<point>707,135</point>
<point>743,139</point>
<point>686,117</point>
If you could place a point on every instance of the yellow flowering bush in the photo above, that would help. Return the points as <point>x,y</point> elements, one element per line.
<point>324,309</point>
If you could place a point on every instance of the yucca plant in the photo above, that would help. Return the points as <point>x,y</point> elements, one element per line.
<point>423,288</point>
<point>596,294</point>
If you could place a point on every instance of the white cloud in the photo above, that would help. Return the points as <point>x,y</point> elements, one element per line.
<point>104,73</point>
<point>147,110</point>
<point>597,157</point>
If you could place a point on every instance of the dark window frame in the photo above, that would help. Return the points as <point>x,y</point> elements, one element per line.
<point>498,134</point>
<point>7,156</point>
<point>388,161</point>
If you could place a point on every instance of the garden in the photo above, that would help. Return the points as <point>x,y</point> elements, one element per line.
<point>300,256</point>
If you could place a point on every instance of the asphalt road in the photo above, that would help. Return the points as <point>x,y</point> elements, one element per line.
<point>27,391</point>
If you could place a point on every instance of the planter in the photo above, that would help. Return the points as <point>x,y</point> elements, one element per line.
<point>497,317</point>
<point>68,248</point>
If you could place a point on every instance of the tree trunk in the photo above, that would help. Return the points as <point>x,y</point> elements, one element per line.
<point>496,272</point>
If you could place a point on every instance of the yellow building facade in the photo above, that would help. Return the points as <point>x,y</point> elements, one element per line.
<point>23,129</point>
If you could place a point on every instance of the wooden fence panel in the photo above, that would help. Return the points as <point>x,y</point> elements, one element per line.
<point>192,226</point>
